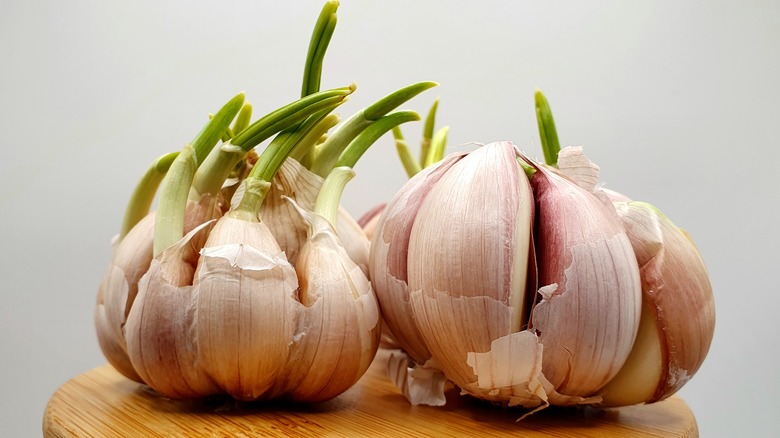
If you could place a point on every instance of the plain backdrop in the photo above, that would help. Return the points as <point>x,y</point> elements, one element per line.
<point>678,102</point>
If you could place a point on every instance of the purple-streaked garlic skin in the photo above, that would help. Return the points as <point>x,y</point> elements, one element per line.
<point>388,258</point>
<point>589,313</point>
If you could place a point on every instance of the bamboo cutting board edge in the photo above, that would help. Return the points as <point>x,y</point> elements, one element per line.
<point>102,403</point>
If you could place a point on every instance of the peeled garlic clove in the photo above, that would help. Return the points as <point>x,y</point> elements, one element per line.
<point>339,329</point>
<point>388,259</point>
<point>589,313</point>
<point>678,315</point>
<point>295,181</point>
<point>467,264</point>
<point>246,312</point>
<point>117,292</point>
<point>158,329</point>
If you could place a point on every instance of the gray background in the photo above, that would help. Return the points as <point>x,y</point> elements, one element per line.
<point>676,101</point>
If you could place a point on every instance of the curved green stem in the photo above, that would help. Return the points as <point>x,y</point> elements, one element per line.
<point>320,38</point>
<point>438,146</point>
<point>361,143</point>
<point>430,122</point>
<point>347,131</point>
<point>169,221</point>
<point>208,137</point>
<point>327,204</point>
<point>289,115</point>
<point>145,190</point>
<point>547,131</point>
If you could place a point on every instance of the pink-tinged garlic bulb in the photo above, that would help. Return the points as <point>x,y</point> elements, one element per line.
<point>456,253</point>
<point>678,314</point>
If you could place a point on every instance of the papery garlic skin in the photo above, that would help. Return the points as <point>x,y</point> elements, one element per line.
<point>467,263</point>
<point>159,325</point>
<point>295,181</point>
<point>589,314</point>
<point>246,308</point>
<point>679,315</point>
<point>388,258</point>
<point>131,259</point>
<point>339,329</point>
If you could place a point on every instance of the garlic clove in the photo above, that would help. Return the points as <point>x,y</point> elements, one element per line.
<point>388,261</point>
<point>295,181</point>
<point>246,312</point>
<point>678,317</point>
<point>467,260</point>
<point>339,329</point>
<point>119,286</point>
<point>158,329</point>
<point>589,313</point>
<point>117,291</point>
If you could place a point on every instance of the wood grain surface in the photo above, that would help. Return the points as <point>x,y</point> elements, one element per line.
<point>102,403</point>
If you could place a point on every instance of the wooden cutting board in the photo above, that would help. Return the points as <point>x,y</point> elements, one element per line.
<point>102,403</point>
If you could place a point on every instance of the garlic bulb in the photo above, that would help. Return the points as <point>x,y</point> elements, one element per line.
<point>207,301</point>
<point>522,284</point>
<point>223,310</point>
<point>530,284</point>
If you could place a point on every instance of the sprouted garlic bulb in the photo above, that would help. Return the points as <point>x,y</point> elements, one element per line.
<point>524,284</point>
